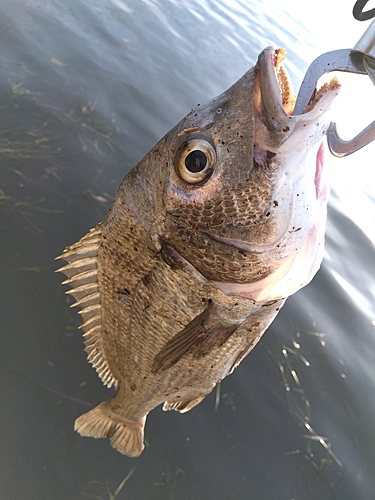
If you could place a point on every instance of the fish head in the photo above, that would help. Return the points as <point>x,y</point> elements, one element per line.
<point>241,182</point>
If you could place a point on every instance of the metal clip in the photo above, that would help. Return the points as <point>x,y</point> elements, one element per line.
<point>361,60</point>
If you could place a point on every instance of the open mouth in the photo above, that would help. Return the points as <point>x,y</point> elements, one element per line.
<point>290,147</point>
<point>288,98</point>
<point>276,126</point>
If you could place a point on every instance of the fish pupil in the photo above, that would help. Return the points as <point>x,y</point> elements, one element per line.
<point>196,161</point>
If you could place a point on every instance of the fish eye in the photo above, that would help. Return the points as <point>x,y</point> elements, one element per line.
<point>195,161</point>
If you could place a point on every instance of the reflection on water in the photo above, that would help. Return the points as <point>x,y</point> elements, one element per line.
<point>87,88</point>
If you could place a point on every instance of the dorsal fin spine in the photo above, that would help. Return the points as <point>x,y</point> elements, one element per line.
<point>82,275</point>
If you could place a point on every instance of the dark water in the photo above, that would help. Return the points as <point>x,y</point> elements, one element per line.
<point>87,88</point>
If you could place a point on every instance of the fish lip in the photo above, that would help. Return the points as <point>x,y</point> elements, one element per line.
<point>274,84</point>
<point>276,100</point>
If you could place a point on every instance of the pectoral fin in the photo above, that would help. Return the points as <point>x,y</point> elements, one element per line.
<point>205,332</point>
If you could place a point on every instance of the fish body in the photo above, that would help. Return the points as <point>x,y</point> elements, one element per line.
<point>206,238</point>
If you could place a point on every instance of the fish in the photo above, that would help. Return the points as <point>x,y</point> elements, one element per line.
<point>206,238</point>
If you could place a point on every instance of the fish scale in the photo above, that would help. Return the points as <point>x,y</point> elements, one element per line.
<point>206,238</point>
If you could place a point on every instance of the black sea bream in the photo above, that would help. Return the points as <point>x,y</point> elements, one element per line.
<point>206,238</point>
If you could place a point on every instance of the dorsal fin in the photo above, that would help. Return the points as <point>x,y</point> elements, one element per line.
<point>82,272</point>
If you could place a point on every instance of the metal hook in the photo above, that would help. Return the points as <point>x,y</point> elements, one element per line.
<point>340,148</point>
<point>358,11</point>
<point>361,60</point>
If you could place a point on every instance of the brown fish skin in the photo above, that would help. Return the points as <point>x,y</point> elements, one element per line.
<point>184,228</point>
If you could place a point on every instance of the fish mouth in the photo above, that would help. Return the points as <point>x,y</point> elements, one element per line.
<point>274,102</point>
<point>274,97</point>
<point>292,144</point>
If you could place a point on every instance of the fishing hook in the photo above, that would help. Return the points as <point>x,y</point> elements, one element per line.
<point>360,60</point>
<point>358,11</point>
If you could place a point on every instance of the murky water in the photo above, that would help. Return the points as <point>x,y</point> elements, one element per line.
<point>87,88</point>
